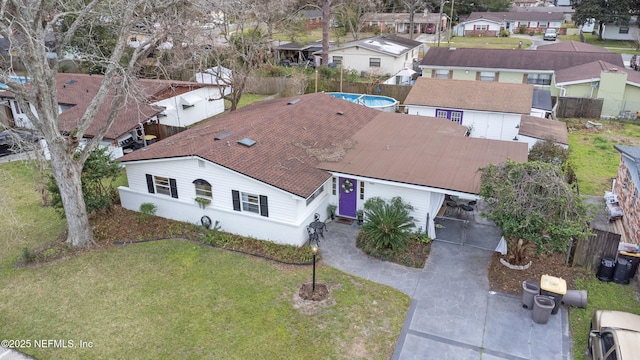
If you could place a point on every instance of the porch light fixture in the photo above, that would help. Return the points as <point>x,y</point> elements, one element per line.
<point>515,138</point>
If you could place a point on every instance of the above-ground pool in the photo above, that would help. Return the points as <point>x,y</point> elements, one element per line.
<point>383,103</point>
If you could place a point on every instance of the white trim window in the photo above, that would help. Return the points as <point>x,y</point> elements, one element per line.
<point>487,76</point>
<point>374,62</point>
<point>249,202</point>
<point>162,185</point>
<point>442,74</point>
<point>203,188</point>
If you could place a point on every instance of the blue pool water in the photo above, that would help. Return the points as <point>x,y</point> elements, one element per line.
<point>383,103</point>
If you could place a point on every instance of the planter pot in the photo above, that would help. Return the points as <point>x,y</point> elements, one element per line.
<point>515,267</point>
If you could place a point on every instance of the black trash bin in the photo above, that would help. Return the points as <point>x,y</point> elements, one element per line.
<point>554,288</point>
<point>606,269</point>
<point>634,259</point>
<point>622,271</point>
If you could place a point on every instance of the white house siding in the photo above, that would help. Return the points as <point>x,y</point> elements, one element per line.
<point>489,125</point>
<point>20,118</point>
<point>358,59</point>
<point>424,200</point>
<point>209,104</point>
<point>473,25</point>
<point>612,32</point>
<point>288,213</point>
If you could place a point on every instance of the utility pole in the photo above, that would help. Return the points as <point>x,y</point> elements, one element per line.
<point>450,23</point>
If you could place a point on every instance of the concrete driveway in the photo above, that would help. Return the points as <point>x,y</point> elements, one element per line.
<point>453,315</point>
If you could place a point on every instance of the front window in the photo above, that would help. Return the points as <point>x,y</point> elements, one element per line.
<point>539,79</point>
<point>442,74</point>
<point>482,27</point>
<point>487,76</point>
<point>624,30</point>
<point>203,188</point>
<point>18,108</point>
<point>374,62</point>
<point>162,185</point>
<point>251,202</point>
<point>441,114</point>
<point>315,195</point>
<point>337,60</point>
<point>456,117</point>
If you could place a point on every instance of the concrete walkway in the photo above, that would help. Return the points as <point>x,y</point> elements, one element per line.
<point>453,315</point>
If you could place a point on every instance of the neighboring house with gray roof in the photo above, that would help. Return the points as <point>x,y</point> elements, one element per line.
<point>384,54</point>
<point>489,110</point>
<point>267,168</point>
<point>423,23</point>
<point>491,23</point>
<point>536,67</point>
<point>627,186</point>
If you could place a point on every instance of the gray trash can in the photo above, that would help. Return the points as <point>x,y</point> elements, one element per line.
<point>575,298</point>
<point>529,290</point>
<point>542,307</point>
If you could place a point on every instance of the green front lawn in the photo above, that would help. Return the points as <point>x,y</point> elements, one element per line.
<point>175,299</point>
<point>489,42</point>
<point>178,299</point>
<point>592,154</point>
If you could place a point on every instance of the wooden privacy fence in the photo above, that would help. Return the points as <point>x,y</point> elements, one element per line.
<point>590,251</point>
<point>570,107</point>
<point>289,86</point>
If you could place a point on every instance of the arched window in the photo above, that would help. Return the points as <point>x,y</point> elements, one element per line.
<point>203,188</point>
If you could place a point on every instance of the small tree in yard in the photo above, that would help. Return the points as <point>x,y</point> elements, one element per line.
<point>98,173</point>
<point>533,201</point>
<point>388,224</point>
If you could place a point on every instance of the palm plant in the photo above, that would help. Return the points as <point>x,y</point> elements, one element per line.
<point>388,224</point>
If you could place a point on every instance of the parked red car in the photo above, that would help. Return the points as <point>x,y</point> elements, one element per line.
<point>430,29</point>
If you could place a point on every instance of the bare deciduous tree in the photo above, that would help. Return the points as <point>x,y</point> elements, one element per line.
<point>27,25</point>
<point>352,12</point>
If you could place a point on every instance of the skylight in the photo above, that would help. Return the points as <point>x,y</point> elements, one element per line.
<point>247,142</point>
<point>223,135</point>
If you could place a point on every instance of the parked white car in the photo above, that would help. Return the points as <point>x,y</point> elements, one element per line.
<point>550,34</point>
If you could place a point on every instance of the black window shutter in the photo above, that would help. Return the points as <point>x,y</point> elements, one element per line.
<point>235,194</point>
<point>150,185</point>
<point>264,206</point>
<point>174,188</point>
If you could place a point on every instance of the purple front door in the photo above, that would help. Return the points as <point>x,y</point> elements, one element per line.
<point>347,199</point>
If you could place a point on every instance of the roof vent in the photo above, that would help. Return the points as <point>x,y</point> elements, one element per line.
<point>452,49</point>
<point>340,113</point>
<point>293,102</point>
<point>223,135</point>
<point>71,82</point>
<point>247,142</point>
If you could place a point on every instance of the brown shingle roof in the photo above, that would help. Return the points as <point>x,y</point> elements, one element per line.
<point>421,153</point>
<point>286,135</point>
<point>572,46</point>
<point>544,129</point>
<point>470,58</point>
<point>79,89</point>
<point>282,132</point>
<point>75,92</point>
<point>591,72</point>
<point>471,95</point>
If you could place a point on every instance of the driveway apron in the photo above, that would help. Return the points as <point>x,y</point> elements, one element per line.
<point>453,315</point>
